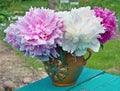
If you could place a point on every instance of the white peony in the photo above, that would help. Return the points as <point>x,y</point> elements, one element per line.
<point>82,30</point>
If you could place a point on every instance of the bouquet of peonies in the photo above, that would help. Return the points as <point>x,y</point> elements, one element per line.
<point>41,32</point>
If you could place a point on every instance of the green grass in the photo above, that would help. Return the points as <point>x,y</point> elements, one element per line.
<point>107,58</point>
<point>25,5</point>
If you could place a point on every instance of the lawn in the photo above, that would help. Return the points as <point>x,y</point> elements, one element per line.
<point>106,59</point>
<point>26,4</point>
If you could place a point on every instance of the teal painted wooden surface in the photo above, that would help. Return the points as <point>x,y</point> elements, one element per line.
<point>89,80</point>
<point>104,82</point>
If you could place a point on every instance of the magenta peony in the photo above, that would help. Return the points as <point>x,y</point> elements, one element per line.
<point>109,22</point>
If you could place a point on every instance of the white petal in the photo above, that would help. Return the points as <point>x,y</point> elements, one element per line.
<point>95,45</point>
<point>68,46</point>
<point>79,52</point>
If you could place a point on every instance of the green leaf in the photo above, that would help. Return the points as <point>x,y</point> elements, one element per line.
<point>62,53</point>
<point>102,46</point>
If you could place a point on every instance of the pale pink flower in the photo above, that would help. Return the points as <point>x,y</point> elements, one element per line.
<point>37,33</point>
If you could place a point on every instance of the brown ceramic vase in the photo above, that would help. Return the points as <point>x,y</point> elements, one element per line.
<point>66,74</point>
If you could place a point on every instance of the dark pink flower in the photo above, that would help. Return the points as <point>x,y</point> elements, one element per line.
<point>109,22</point>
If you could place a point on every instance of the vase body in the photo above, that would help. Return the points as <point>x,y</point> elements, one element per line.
<point>65,73</point>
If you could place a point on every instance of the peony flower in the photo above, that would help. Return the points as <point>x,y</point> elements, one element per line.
<point>82,29</point>
<point>109,22</point>
<point>11,36</point>
<point>37,33</point>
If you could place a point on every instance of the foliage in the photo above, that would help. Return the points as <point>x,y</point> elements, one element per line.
<point>4,4</point>
<point>26,4</point>
<point>3,23</point>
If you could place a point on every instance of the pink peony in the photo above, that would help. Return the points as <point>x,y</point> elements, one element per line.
<point>11,36</point>
<point>109,22</point>
<point>37,33</point>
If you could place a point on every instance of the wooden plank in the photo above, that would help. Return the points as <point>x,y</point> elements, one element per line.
<point>46,84</point>
<point>103,82</point>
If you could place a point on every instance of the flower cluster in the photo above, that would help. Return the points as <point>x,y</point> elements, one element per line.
<point>41,31</point>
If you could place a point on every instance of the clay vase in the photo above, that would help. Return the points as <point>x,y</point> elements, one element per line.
<point>66,73</point>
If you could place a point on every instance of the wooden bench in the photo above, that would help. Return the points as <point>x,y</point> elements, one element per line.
<point>89,80</point>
